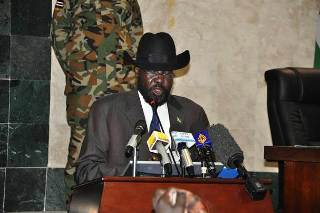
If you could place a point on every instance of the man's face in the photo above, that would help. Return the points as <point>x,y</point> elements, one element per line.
<point>155,85</point>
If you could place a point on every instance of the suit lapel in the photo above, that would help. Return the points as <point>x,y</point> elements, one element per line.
<point>134,110</point>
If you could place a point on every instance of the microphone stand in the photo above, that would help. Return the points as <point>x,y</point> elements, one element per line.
<point>174,161</point>
<point>204,169</point>
<point>210,159</point>
<point>134,167</point>
<point>183,170</point>
<point>204,163</point>
<point>171,154</point>
<point>154,109</point>
<point>139,129</point>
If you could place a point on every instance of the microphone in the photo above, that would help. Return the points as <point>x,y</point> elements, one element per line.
<point>185,158</point>
<point>159,143</point>
<point>208,155</point>
<point>204,145</point>
<point>184,140</point>
<point>183,137</point>
<point>154,106</point>
<point>230,154</point>
<point>139,130</point>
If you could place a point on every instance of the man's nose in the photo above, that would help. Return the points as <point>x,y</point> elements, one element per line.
<point>159,78</point>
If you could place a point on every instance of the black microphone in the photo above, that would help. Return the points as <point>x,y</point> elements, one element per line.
<point>139,130</point>
<point>207,155</point>
<point>185,158</point>
<point>229,153</point>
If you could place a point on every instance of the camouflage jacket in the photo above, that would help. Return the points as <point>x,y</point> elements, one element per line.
<point>89,38</point>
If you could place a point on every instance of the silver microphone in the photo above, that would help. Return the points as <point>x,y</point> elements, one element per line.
<point>164,158</point>
<point>186,158</point>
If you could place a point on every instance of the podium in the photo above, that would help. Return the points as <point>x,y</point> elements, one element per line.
<point>128,194</point>
<point>299,177</point>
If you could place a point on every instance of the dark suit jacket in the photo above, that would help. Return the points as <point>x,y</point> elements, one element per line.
<point>111,124</point>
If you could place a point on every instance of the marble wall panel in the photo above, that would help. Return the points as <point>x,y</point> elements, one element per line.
<point>29,101</point>
<point>25,189</point>
<point>30,58</point>
<point>30,17</point>
<point>4,55</point>
<point>55,190</point>
<point>4,104</point>
<point>5,17</point>
<point>28,145</point>
<point>3,144</point>
<point>24,105</point>
<point>2,178</point>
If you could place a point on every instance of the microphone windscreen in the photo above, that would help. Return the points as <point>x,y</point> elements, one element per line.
<point>183,137</point>
<point>202,139</point>
<point>181,146</point>
<point>224,146</point>
<point>156,137</point>
<point>140,127</point>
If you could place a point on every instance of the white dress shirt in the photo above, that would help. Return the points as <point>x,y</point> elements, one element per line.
<point>162,112</point>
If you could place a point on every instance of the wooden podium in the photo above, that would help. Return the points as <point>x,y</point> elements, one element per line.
<point>299,177</point>
<point>128,194</point>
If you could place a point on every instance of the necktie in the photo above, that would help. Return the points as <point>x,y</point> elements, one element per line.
<point>154,125</point>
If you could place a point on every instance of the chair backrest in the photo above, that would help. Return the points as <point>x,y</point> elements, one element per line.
<point>293,99</point>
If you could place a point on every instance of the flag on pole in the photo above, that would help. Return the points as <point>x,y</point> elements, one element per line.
<point>316,63</point>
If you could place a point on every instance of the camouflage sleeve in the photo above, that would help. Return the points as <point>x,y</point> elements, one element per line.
<point>135,26</point>
<point>131,23</point>
<point>129,19</point>
<point>61,29</point>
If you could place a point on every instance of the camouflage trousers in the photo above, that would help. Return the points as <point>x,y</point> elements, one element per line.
<point>78,107</point>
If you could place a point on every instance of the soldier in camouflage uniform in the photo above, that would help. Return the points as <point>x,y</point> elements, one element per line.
<point>89,38</point>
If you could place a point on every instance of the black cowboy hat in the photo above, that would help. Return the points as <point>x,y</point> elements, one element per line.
<point>157,52</point>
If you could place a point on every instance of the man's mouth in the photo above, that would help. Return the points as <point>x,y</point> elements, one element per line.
<point>157,90</point>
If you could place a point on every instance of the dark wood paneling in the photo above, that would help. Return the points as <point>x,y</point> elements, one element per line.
<point>305,154</point>
<point>135,194</point>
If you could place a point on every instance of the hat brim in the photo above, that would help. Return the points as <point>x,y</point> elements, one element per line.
<point>181,61</point>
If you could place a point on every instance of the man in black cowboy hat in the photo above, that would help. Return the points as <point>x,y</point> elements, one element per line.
<point>112,119</point>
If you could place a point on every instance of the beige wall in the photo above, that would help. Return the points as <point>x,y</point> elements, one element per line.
<point>232,43</point>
